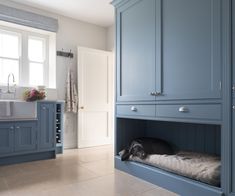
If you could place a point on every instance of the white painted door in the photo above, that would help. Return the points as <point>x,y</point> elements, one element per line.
<point>95,91</point>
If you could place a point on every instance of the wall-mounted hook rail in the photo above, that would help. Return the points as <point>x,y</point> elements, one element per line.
<point>64,54</point>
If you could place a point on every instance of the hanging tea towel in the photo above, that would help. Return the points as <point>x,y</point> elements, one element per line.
<point>71,101</point>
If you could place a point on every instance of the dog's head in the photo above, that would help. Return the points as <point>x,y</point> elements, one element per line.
<point>138,150</point>
<point>135,149</point>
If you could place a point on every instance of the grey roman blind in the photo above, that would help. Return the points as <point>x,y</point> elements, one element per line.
<point>30,19</point>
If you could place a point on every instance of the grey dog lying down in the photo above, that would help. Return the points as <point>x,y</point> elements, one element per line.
<point>142,147</point>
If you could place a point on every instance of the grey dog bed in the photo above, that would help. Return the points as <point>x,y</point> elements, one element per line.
<point>197,166</point>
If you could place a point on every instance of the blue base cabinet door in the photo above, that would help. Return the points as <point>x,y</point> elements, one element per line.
<point>46,125</point>
<point>192,49</point>
<point>25,136</point>
<point>138,50</point>
<point>6,138</point>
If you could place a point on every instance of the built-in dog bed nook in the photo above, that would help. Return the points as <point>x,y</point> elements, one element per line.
<point>197,166</point>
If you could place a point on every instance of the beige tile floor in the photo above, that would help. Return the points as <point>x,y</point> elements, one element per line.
<point>83,172</point>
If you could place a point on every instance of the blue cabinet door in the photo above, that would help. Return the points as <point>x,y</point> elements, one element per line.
<point>46,125</point>
<point>191,48</point>
<point>232,169</point>
<point>25,136</point>
<point>6,138</point>
<point>138,50</point>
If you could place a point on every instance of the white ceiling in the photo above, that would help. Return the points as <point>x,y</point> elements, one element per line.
<point>99,12</point>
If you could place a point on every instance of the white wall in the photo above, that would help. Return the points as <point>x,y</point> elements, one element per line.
<point>110,44</point>
<point>72,33</point>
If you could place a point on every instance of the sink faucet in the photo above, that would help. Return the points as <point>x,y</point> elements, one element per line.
<point>8,82</point>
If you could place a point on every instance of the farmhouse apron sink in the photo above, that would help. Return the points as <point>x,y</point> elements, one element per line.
<point>17,110</point>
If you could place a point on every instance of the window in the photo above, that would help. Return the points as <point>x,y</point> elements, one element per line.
<point>36,55</point>
<point>29,55</point>
<point>9,55</point>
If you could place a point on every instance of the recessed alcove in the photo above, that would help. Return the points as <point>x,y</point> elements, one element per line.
<point>202,138</point>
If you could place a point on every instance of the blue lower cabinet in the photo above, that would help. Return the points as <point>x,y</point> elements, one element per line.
<point>46,122</point>
<point>22,141</point>
<point>25,136</point>
<point>6,138</point>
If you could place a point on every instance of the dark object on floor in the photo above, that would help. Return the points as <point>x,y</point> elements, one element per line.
<point>142,147</point>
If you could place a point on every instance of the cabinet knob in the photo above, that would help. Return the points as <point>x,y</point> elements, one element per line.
<point>17,127</point>
<point>155,93</point>
<point>133,108</point>
<point>183,109</point>
<point>11,127</point>
<point>158,93</point>
<point>43,107</point>
<point>233,107</point>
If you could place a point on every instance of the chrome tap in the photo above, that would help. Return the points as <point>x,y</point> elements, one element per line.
<point>8,82</point>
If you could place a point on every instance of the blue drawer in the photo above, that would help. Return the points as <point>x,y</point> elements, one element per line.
<point>192,111</point>
<point>136,110</point>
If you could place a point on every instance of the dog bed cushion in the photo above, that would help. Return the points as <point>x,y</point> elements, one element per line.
<point>197,166</point>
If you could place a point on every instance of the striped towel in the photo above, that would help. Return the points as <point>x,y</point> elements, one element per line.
<point>71,101</point>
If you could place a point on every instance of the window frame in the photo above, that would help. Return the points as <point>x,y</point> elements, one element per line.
<point>24,36</point>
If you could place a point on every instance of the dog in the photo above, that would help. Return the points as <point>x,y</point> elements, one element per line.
<point>142,147</point>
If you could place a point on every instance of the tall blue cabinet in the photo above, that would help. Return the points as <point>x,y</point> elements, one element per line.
<point>174,81</point>
<point>175,45</point>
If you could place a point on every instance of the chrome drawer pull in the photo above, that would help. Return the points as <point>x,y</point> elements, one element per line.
<point>133,108</point>
<point>158,93</point>
<point>183,109</point>
<point>155,93</point>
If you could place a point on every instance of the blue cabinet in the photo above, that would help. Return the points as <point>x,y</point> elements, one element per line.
<point>192,49</point>
<point>30,140</point>
<point>138,50</point>
<point>46,125</point>
<point>25,136</point>
<point>169,50</point>
<point>17,137</point>
<point>6,138</point>
<point>232,170</point>
<point>173,61</point>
